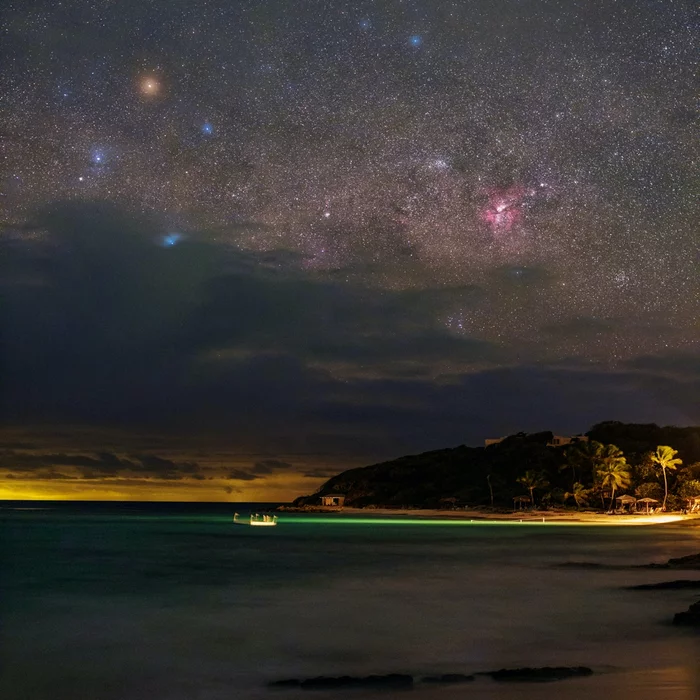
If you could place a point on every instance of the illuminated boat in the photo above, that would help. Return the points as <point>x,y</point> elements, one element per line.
<point>256,520</point>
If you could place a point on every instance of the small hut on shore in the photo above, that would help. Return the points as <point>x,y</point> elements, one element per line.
<point>626,504</point>
<point>521,501</point>
<point>448,503</point>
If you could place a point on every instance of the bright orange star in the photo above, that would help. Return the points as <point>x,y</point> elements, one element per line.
<point>149,86</point>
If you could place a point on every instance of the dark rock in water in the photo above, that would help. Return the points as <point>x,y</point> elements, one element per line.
<point>288,683</point>
<point>680,585</point>
<point>594,566</point>
<point>580,565</point>
<point>448,678</point>
<point>539,675</point>
<point>689,618</point>
<point>392,680</point>
<point>692,561</point>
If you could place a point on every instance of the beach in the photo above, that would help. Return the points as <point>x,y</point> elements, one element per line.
<point>533,516</point>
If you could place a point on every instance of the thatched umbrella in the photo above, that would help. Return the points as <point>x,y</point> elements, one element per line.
<point>626,500</point>
<point>647,502</point>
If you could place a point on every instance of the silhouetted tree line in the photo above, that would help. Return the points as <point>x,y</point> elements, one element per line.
<point>646,461</point>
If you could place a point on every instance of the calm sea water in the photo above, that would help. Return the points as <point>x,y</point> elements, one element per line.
<point>174,601</point>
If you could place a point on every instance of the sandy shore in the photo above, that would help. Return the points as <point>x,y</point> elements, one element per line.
<point>551,516</point>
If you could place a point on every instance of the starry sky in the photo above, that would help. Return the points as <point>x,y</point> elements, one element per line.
<point>247,245</point>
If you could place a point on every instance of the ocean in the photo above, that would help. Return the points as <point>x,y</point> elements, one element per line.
<point>105,601</point>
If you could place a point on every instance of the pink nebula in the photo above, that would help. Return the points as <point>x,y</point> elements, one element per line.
<point>503,209</point>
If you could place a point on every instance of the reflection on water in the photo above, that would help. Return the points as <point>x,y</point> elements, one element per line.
<point>125,605</point>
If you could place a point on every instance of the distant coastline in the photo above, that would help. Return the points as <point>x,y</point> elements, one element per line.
<point>615,472</point>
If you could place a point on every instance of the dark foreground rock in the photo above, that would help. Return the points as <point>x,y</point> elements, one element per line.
<point>689,618</point>
<point>692,561</point>
<point>539,675</point>
<point>679,585</point>
<point>591,565</point>
<point>448,679</point>
<point>395,681</point>
<point>392,680</point>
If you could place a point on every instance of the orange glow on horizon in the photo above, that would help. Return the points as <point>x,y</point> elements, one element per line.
<point>282,490</point>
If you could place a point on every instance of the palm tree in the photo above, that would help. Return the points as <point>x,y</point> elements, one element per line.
<point>579,494</point>
<point>488,479</point>
<point>612,470</point>
<point>585,456</point>
<point>532,480</point>
<point>665,457</point>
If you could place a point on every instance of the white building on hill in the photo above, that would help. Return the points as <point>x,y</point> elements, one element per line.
<point>336,501</point>
<point>556,441</point>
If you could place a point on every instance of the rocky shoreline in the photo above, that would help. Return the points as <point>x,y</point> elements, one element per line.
<point>544,674</point>
<point>690,617</point>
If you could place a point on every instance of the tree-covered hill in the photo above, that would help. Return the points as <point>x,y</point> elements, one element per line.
<point>634,439</point>
<point>524,465</point>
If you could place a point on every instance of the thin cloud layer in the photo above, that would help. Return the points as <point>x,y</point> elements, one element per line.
<point>104,327</point>
<point>95,466</point>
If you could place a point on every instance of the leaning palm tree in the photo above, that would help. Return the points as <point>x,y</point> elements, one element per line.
<point>613,471</point>
<point>532,480</point>
<point>665,457</point>
<point>579,494</point>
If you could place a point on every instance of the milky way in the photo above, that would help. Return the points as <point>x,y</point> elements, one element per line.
<point>542,153</point>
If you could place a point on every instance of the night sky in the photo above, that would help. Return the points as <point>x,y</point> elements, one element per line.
<point>246,245</point>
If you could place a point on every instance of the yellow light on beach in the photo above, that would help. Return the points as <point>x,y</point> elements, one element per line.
<point>375,521</point>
